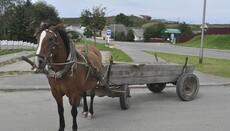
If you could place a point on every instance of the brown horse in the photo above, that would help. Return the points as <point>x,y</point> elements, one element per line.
<point>69,71</point>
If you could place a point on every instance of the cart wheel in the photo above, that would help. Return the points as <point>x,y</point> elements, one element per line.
<point>124,97</point>
<point>187,87</point>
<point>156,87</point>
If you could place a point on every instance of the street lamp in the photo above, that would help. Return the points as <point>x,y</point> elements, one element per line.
<point>202,35</point>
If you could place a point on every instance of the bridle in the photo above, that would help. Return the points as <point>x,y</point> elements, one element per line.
<point>54,44</point>
<point>69,64</point>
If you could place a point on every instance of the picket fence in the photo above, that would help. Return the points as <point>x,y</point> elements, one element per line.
<point>9,45</point>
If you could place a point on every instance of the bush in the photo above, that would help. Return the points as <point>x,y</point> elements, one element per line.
<point>130,35</point>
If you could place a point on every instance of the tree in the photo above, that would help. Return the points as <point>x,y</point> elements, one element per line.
<point>130,35</point>
<point>153,31</point>
<point>120,36</point>
<point>45,12</point>
<point>18,27</point>
<point>24,17</point>
<point>159,27</point>
<point>94,20</point>
<point>184,28</point>
<point>148,33</point>
<point>5,13</point>
<point>123,19</point>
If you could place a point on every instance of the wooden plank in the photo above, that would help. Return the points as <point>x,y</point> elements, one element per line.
<point>143,80</point>
<point>153,73</point>
<point>106,57</point>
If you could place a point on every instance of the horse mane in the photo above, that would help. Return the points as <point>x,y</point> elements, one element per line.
<point>65,39</point>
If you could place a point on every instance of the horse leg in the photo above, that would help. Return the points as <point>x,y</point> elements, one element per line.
<point>90,113</point>
<point>74,111</point>
<point>61,117</point>
<point>85,106</point>
<point>59,101</point>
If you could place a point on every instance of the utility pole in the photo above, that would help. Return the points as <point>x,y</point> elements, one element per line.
<point>202,35</point>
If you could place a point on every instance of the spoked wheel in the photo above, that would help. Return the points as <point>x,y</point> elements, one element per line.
<point>124,97</point>
<point>187,87</point>
<point>156,87</point>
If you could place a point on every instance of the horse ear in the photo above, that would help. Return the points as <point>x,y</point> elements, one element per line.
<point>43,24</point>
<point>57,27</point>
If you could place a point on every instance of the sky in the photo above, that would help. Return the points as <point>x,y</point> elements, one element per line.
<point>189,11</point>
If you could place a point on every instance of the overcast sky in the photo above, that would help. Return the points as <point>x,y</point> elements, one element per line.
<point>190,11</point>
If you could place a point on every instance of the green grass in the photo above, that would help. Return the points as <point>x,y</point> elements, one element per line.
<point>118,55</point>
<point>4,52</point>
<point>218,67</point>
<point>15,72</point>
<point>210,41</point>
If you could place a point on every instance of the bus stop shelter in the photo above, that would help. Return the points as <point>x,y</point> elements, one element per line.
<point>171,33</point>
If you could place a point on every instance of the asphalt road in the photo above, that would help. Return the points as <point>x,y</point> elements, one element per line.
<point>168,48</point>
<point>37,111</point>
<point>26,104</point>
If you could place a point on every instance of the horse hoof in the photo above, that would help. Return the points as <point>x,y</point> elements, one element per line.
<point>85,114</point>
<point>89,116</point>
<point>60,129</point>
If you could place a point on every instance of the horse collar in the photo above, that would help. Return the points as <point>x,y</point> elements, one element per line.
<point>70,65</point>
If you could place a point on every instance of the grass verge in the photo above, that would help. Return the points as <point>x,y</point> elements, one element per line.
<point>210,41</point>
<point>16,72</point>
<point>118,55</point>
<point>217,67</point>
<point>5,52</point>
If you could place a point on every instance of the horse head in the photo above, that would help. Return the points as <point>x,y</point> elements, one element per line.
<point>47,39</point>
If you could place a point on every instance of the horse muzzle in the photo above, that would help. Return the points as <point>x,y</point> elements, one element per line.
<point>40,62</point>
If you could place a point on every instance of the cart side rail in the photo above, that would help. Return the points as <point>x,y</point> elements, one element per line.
<point>130,74</point>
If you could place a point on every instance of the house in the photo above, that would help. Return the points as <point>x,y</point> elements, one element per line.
<point>119,28</point>
<point>145,17</point>
<point>79,29</point>
<point>138,34</point>
<point>114,28</point>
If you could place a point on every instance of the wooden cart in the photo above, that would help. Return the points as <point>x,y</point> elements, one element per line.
<point>118,76</point>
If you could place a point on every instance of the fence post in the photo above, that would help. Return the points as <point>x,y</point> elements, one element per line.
<point>7,45</point>
<point>0,45</point>
<point>13,45</point>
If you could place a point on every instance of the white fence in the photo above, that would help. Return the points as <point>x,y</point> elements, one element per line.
<point>8,45</point>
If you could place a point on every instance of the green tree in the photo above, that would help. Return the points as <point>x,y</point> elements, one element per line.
<point>149,33</point>
<point>5,13</point>
<point>123,19</point>
<point>45,12</point>
<point>94,20</point>
<point>130,35</point>
<point>159,27</point>
<point>184,28</point>
<point>20,25</point>
<point>120,36</point>
<point>24,17</point>
<point>153,31</point>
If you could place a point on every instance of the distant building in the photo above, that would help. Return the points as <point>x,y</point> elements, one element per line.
<point>79,29</point>
<point>118,28</point>
<point>212,29</point>
<point>138,34</point>
<point>145,17</point>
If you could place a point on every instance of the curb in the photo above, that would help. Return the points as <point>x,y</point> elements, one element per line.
<point>47,87</point>
<point>17,55</point>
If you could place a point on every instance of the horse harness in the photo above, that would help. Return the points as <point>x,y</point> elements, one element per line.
<point>70,64</point>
